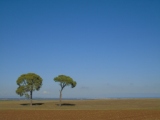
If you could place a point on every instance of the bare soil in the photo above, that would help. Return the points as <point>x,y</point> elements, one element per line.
<point>120,109</point>
<point>79,115</point>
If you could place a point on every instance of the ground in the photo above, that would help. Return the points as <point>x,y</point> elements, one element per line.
<point>119,109</point>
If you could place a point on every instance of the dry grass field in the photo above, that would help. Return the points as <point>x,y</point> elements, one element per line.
<point>109,109</point>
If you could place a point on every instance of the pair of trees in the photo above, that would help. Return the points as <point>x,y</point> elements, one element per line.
<point>27,83</point>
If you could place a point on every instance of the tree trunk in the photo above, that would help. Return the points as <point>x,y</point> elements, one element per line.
<point>30,98</point>
<point>60,98</point>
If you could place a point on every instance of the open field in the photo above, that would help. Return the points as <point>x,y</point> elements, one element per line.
<point>111,109</point>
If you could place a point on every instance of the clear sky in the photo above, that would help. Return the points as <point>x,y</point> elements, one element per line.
<point>110,47</point>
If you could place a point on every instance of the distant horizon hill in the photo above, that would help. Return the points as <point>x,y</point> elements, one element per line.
<point>39,98</point>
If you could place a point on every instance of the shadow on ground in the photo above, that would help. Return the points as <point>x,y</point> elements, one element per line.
<point>66,104</point>
<point>25,104</point>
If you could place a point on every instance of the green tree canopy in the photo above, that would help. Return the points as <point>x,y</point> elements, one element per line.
<point>64,81</point>
<point>27,83</point>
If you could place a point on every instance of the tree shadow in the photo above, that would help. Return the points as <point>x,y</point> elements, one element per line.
<point>25,104</point>
<point>66,104</point>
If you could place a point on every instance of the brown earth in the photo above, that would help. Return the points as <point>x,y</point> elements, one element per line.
<point>79,115</point>
<point>109,109</point>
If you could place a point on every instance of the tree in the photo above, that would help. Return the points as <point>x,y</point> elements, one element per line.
<point>64,81</point>
<point>27,83</point>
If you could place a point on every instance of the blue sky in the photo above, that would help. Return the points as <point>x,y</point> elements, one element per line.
<point>110,47</point>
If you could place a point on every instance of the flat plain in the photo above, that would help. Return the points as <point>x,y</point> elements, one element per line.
<point>104,109</point>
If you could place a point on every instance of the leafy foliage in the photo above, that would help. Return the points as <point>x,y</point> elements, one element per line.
<point>65,81</point>
<point>28,83</point>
